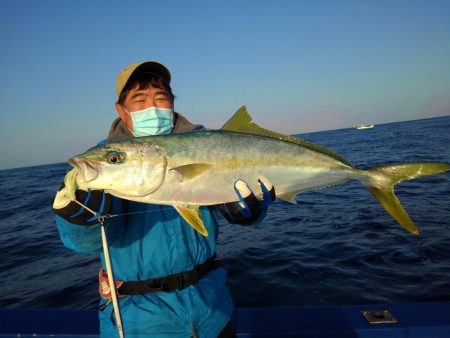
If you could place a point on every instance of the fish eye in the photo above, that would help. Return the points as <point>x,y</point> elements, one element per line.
<point>114,157</point>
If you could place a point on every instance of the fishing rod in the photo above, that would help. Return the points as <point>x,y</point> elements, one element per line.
<point>109,269</point>
<point>111,278</point>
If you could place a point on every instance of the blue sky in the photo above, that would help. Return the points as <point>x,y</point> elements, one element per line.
<point>299,66</point>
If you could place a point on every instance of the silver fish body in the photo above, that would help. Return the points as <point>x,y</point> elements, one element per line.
<point>200,168</point>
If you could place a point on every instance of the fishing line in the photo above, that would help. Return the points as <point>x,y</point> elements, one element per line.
<point>122,214</point>
<point>85,207</point>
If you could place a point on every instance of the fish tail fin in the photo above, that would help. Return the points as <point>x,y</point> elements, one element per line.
<point>381,181</point>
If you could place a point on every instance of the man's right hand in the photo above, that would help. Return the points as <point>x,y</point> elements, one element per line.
<point>96,200</point>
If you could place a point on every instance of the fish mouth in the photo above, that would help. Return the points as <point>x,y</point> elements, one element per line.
<point>86,169</point>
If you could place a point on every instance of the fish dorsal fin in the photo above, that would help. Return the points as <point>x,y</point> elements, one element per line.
<point>241,121</point>
<point>193,217</point>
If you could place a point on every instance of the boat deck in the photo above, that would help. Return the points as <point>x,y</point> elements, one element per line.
<point>414,320</point>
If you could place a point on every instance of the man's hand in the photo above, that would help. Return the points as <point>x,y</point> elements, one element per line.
<point>96,200</point>
<point>248,209</point>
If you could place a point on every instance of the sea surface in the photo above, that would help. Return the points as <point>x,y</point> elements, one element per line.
<point>337,246</point>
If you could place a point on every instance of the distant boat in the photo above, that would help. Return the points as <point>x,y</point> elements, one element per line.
<point>365,126</point>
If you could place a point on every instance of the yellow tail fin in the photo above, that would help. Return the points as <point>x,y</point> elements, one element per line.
<point>381,184</point>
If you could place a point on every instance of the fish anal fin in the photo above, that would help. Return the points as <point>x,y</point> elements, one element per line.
<point>193,217</point>
<point>289,197</point>
<point>241,122</point>
<point>190,171</point>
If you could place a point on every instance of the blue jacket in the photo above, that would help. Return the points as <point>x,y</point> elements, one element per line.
<point>148,241</point>
<point>155,244</point>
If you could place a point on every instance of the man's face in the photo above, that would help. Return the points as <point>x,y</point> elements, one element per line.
<point>138,99</point>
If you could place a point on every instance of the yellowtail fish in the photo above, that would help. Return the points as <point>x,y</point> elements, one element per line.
<point>194,169</point>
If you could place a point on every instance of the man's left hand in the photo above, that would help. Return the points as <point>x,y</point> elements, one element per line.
<point>248,209</point>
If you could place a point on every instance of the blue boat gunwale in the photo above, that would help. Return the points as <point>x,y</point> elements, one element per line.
<point>430,319</point>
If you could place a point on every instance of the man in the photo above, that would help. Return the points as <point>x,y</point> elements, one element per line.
<point>173,285</point>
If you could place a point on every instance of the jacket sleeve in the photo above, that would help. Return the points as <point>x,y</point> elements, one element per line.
<point>88,239</point>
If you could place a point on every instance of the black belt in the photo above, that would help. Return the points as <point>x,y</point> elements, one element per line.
<point>177,281</point>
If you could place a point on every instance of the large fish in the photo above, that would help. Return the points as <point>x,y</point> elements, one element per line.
<point>189,170</point>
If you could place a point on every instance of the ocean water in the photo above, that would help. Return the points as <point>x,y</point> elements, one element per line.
<point>337,246</point>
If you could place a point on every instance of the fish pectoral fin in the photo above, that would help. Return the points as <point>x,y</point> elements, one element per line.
<point>190,171</point>
<point>289,196</point>
<point>193,217</point>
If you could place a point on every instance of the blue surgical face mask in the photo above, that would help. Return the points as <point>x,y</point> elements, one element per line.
<point>152,121</point>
